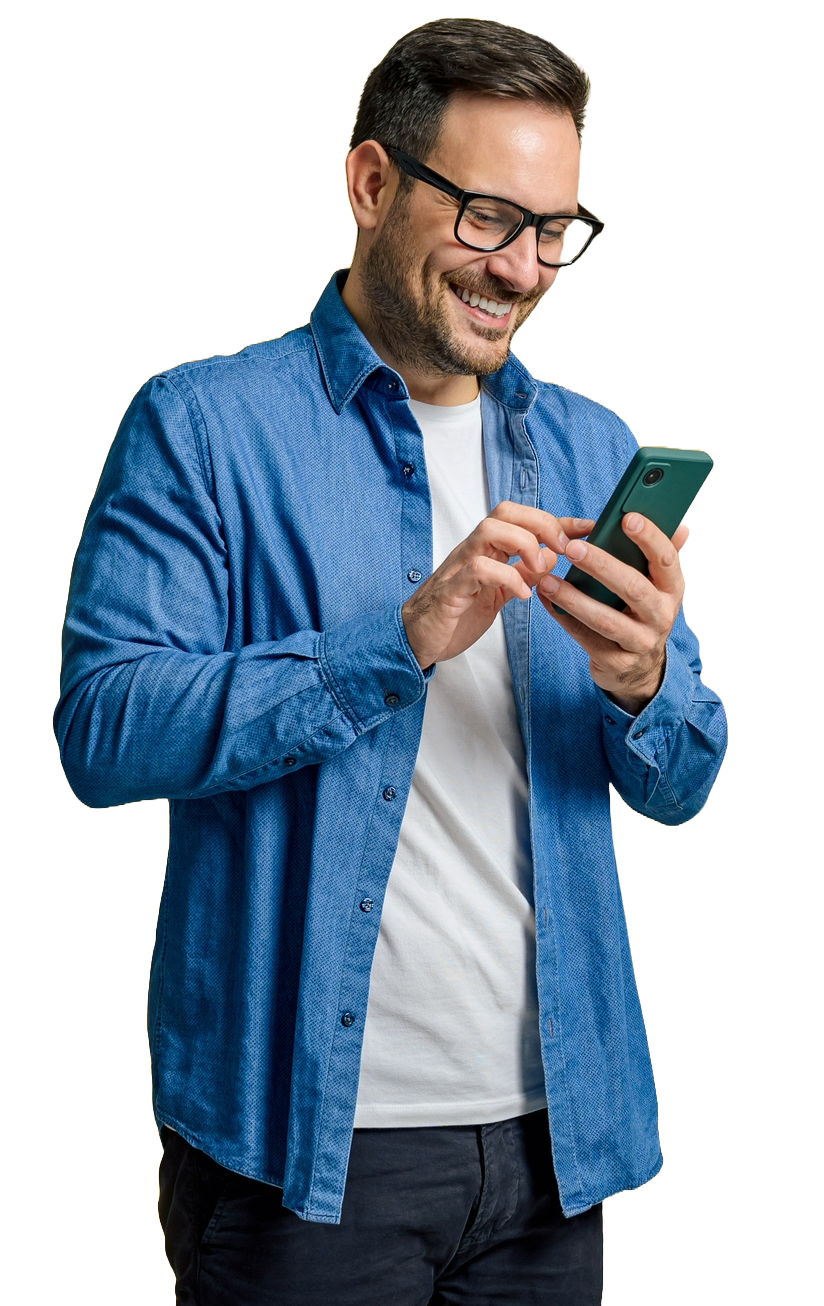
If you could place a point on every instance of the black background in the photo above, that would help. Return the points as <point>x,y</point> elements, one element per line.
<point>206,209</point>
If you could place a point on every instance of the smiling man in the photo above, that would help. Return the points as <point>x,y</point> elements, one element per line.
<point>398,1055</point>
<point>440,312</point>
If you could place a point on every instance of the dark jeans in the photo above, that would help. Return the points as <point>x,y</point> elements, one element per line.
<point>432,1216</point>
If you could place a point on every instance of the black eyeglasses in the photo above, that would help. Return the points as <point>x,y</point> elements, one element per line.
<point>487,222</point>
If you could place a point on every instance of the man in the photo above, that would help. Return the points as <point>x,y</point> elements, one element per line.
<point>313,607</point>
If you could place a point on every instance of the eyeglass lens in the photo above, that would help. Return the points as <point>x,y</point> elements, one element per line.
<point>487,223</point>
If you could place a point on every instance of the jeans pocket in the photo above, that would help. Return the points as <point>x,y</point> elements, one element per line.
<point>214,1185</point>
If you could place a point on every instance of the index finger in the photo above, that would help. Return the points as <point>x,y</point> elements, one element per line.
<point>548,529</point>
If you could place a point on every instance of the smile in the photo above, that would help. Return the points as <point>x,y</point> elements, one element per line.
<point>481,308</point>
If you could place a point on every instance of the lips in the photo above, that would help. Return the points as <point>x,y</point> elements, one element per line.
<point>493,312</point>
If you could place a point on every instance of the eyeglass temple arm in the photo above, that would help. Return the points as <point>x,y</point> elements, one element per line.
<point>415,169</point>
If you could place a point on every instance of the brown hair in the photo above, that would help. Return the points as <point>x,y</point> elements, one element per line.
<point>407,94</point>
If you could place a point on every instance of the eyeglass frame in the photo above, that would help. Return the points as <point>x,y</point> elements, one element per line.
<point>414,168</point>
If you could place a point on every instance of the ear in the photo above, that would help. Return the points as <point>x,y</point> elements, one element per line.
<point>372,182</point>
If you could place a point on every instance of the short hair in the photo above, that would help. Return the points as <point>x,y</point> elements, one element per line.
<point>407,94</point>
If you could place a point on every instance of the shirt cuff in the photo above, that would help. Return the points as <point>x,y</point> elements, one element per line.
<point>371,669</point>
<point>665,712</point>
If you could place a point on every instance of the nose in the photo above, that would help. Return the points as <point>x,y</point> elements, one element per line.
<point>517,265</point>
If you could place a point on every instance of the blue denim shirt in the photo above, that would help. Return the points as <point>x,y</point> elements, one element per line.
<point>234,643</point>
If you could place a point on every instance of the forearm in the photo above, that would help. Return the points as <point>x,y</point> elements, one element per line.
<point>168,724</point>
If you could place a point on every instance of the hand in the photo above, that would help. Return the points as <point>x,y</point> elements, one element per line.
<point>460,601</point>
<point>627,650</point>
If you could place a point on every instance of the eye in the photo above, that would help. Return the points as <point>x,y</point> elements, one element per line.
<point>553,232</point>
<point>486,217</point>
<point>562,240</point>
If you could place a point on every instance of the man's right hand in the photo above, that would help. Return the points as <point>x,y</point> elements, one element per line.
<point>460,601</point>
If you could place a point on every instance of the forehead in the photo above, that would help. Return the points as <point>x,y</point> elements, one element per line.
<point>514,148</point>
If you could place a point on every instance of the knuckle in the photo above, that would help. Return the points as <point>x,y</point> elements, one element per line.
<point>503,510</point>
<point>608,626</point>
<point>636,587</point>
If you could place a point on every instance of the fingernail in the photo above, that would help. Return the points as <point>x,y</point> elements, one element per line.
<point>634,522</point>
<point>550,585</point>
<point>564,540</point>
<point>576,550</point>
<point>583,523</point>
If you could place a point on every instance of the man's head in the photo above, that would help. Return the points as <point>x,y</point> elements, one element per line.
<point>493,110</point>
<point>407,94</point>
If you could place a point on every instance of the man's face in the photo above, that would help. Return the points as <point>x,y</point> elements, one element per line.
<point>415,271</point>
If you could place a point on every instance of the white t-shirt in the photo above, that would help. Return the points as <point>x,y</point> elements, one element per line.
<point>451,1031</point>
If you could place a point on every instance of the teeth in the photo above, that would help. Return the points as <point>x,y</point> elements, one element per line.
<point>475,300</point>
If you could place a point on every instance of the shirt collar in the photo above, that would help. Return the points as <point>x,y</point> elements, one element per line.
<point>348,360</point>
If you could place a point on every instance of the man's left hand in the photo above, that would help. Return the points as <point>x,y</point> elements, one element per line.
<point>627,650</point>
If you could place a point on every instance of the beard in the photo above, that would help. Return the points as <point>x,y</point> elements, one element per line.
<point>408,309</point>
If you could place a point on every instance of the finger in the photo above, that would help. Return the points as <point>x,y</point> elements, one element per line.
<point>494,535</point>
<point>618,628</point>
<point>482,572</point>
<point>531,577</point>
<point>627,583</point>
<point>660,552</point>
<point>641,594</point>
<point>544,526</point>
<point>575,527</point>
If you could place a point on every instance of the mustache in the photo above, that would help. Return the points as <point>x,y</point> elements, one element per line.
<point>490,288</point>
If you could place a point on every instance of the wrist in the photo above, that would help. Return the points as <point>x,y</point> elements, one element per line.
<point>631,705</point>
<point>634,698</point>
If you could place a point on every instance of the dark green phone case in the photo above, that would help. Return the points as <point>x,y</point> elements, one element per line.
<point>665,502</point>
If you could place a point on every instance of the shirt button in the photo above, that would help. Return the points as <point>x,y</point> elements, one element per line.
<point>366,904</point>
<point>391,700</point>
<point>409,469</point>
<point>290,761</point>
<point>610,720</point>
<point>639,733</point>
<point>389,793</point>
<point>414,575</point>
<point>392,385</point>
<point>347,1019</point>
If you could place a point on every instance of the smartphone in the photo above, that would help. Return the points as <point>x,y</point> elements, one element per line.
<point>660,484</point>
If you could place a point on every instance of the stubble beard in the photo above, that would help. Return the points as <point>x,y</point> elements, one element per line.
<point>412,321</point>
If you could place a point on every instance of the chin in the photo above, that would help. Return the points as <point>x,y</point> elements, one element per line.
<point>486,354</point>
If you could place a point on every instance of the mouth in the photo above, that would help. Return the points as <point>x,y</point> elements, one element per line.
<point>491,312</point>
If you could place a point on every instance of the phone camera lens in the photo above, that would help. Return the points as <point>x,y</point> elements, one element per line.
<point>654,475</point>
